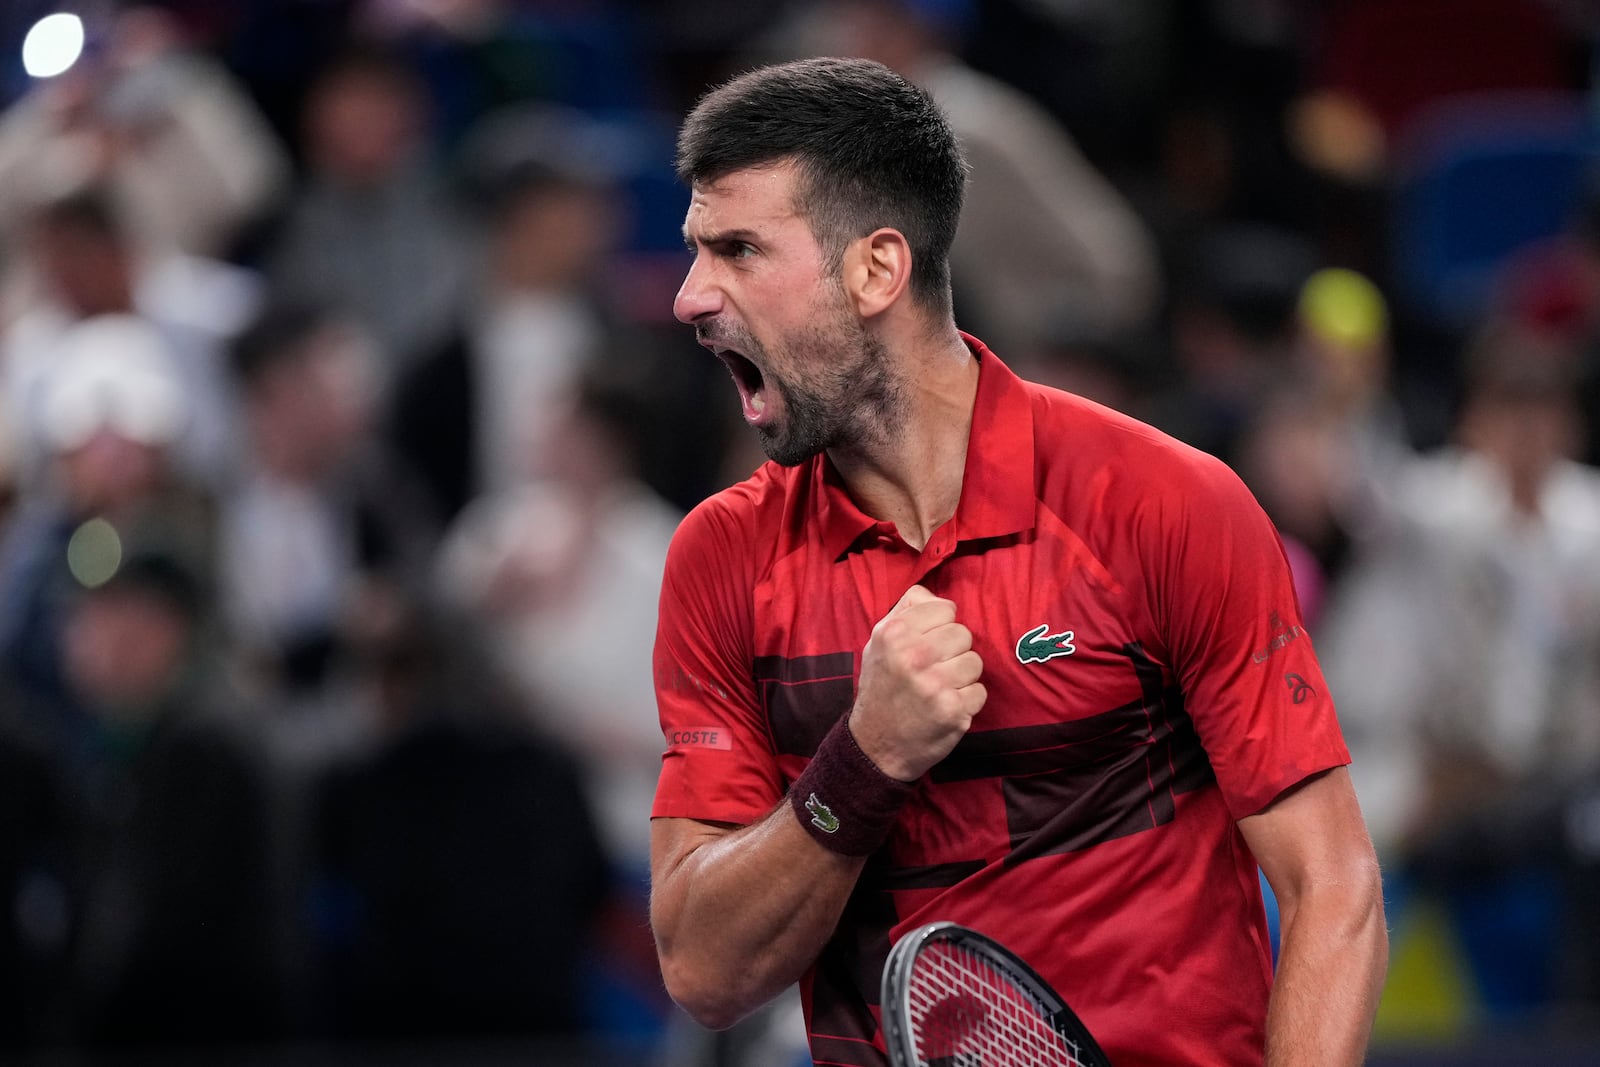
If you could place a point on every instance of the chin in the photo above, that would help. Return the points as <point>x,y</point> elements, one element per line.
<point>785,452</point>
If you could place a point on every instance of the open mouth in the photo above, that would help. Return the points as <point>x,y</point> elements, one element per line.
<point>747,378</point>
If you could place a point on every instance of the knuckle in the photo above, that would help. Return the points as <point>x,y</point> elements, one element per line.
<point>909,659</point>
<point>950,703</point>
<point>928,689</point>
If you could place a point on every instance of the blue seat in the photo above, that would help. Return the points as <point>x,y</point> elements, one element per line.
<point>1478,178</point>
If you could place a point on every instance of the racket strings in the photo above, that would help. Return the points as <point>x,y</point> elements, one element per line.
<point>965,1013</point>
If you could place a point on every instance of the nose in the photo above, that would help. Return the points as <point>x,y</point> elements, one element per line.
<point>697,296</point>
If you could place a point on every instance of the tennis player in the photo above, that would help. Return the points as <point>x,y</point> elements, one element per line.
<point>973,649</point>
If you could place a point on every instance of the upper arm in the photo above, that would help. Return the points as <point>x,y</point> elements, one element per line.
<point>1313,836</point>
<point>672,841</point>
<point>672,844</point>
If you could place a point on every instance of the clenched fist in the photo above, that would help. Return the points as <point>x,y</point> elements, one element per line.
<point>919,686</point>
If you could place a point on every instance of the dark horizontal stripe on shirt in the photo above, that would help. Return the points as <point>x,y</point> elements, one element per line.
<point>1054,746</point>
<point>803,697</point>
<point>930,876</point>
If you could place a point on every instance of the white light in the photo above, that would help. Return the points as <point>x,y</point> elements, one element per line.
<point>53,44</point>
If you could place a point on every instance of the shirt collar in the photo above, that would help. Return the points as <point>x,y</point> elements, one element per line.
<point>997,490</point>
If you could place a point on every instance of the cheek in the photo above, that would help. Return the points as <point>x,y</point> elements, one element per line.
<point>825,338</point>
<point>803,309</point>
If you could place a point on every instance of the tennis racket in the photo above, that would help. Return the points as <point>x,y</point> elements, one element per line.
<point>955,998</point>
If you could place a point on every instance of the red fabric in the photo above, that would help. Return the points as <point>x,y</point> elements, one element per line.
<point>1087,820</point>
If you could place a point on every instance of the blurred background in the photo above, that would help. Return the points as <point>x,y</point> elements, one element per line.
<point>344,425</point>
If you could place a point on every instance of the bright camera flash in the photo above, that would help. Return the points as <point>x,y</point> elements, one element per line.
<point>53,44</point>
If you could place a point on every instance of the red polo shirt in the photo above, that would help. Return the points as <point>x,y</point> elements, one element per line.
<point>1149,683</point>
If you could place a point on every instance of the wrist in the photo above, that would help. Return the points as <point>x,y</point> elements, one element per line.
<point>843,799</point>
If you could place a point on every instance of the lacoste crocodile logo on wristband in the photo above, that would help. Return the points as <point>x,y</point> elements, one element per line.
<point>1036,645</point>
<point>822,817</point>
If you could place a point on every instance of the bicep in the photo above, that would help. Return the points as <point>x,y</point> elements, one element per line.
<point>1311,836</point>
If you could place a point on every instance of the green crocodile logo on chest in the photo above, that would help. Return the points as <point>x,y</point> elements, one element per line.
<point>1037,645</point>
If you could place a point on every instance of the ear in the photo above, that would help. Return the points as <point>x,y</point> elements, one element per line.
<point>877,270</point>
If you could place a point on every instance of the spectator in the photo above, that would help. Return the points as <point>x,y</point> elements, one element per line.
<point>1465,646</point>
<point>369,225</point>
<point>564,571</point>
<point>173,911</point>
<point>1232,331</point>
<point>109,420</point>
<point>478,413</point>
<point>87,270</point>
<point>561,573</point>
<point>320,537</point>
<point>457,871</point>
<point>160,123</point>
<point>1326,439</point>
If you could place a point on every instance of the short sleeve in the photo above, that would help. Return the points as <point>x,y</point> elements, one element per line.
<point>1236,640</point>
<point>718,764</point>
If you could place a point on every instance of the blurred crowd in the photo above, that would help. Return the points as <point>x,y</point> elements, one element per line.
<point>344,426</point>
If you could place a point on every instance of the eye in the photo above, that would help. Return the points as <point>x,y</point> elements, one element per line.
<point>733,249</point>
<point>725,248</point>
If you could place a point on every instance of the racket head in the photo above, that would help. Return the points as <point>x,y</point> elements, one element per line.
<point>953,997</point>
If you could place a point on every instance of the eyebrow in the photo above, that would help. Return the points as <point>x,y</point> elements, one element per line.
<point>726,236</point>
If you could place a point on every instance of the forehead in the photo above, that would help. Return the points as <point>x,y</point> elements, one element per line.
<point>753,199</point>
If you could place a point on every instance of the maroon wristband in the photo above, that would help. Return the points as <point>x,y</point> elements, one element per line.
<point>843,799</point>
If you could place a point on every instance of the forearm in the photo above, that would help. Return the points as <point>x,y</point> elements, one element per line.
<point>1331,966</point>
<point>738,916</point>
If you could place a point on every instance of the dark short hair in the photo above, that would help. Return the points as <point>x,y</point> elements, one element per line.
<point>872,149</point>
<point>276,336</point>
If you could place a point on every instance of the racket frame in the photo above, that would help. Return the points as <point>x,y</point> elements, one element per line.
<point>898,1033</point>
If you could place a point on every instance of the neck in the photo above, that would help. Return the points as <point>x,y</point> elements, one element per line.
<point>914,479</point>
